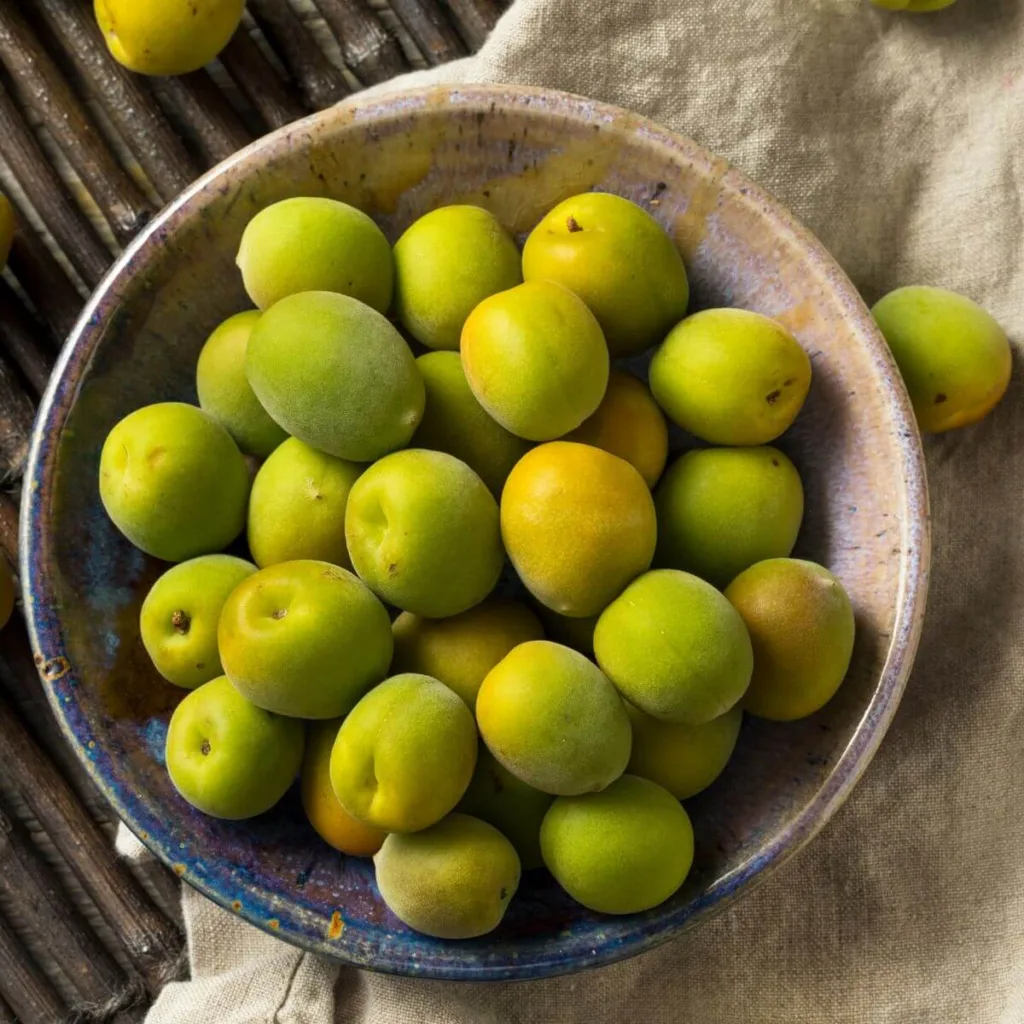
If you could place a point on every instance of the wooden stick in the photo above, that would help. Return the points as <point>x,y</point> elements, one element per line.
<point>24,340</point>
<point>56,299</point>
<point>41,87</point>
<point>126,98</point>
<point>20,680</point>
<point>430,30</point>
<point>49,195</point>
<point>259,80</point>
<point>29,993</point>
<point>9,529</point>
<point>16,414</point>
<point>30,885</point>
<point>474,19</point>
<point>201,106</point>
<point>369,50</point>
<point>319,81</point>
<point>152,943</point>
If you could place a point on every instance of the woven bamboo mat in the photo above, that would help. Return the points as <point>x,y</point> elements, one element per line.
<point>88,153</point>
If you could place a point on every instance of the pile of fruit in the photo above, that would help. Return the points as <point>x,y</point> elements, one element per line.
<point>457,735</point>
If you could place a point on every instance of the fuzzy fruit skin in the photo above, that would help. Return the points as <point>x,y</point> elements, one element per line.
<point>224,390</point>
<point>720,510</point>
<point>552,718</point>
<point>618,259</point>
<point>423,533</point>
<point>515,809</point>
<point>173,481</point>
<point>536,359</point>
<point>312,244</point>
<point>462,649</point>
<point>332,822</point>
<point>620,851</point>
<point>305,639</point>
<point>297,506</point>
<point>802,628</point>
<point>405,754</point>
<point>685,759</point>
<point>953,356</point>
<point>227,757</point>
<point>178,619</point>
<point>701,673</point>
<point>169,37</point>
<point>628,423</point>
<point>456,423</point>
<point>336,374</point>
<point>578,525</point>
<point>730,376</point>
<point>453,880</point>
<point>446,264</point>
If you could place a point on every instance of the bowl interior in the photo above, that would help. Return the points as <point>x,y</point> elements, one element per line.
<point>517,152</point>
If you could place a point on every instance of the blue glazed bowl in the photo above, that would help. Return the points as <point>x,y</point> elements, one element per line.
<point>517,151</point>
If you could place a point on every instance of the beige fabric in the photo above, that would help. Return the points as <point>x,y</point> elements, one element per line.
<point>900,141</point>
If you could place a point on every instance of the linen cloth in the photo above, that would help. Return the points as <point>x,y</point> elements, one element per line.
<point>899,140</point>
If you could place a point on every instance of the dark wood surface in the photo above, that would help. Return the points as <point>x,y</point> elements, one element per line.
<point>88,153</point>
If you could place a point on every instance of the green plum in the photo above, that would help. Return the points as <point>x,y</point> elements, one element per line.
<point>229,758</point>
<point>536,359</point>
<point>312,244</point>
<point>515,809</point>
<point>422,532</point>
<point>954,358</point>
<point>456,423</point>
<point>802,628</point>
<point>453,880</point>
<point>305,639</point>
<point>705,669</point>
<point>553,719</point>
<point>178,619</point>
<point>405,754</point>
<point>224,390</point>
<point>334,373</point>
<point>297,506</point>
<point>730,376</point>
<point>620,851</point>
<point>629,424</point>
<point>578,524</point>
<point>461,649</point>
<point>173,481</point>
<point>618,259</point>
<point>167,37</point>
<point>721,510</point>
<point>683,758</point>
<point>447,263</point>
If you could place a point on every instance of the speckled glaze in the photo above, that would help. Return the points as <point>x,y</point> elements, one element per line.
<point>518,152</point>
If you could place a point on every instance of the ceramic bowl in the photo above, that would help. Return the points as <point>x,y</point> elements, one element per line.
<point>518,152</point>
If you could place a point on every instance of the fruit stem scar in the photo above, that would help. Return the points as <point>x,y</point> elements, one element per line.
<point>573,224</point>
<point>280,613</point>
<point>204,747</point>
<point>181,621</point>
